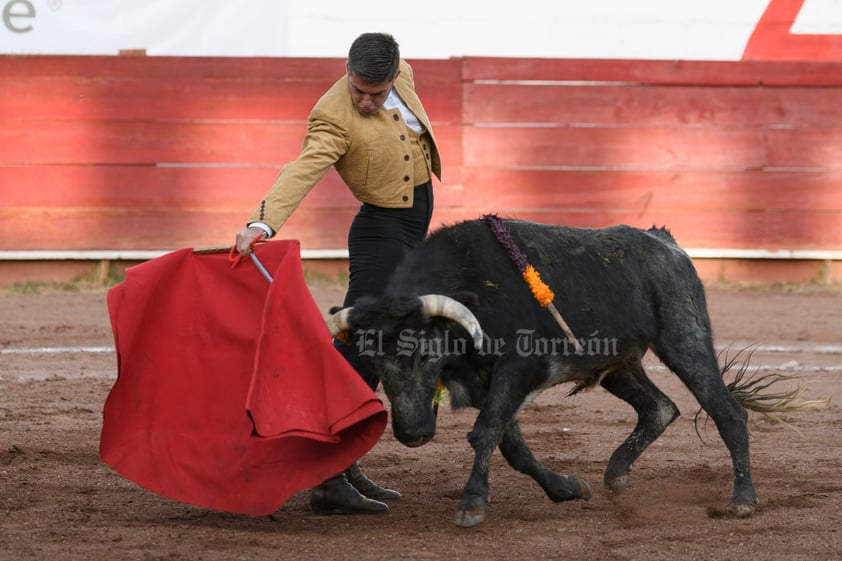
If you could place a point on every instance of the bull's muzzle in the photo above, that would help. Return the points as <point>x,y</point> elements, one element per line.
<point>413,433</point>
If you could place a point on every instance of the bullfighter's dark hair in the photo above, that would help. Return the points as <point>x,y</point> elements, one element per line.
<point>374,57</point>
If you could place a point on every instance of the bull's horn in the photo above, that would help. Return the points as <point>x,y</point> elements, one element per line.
<point>446,307</point>
<point>338,322</point>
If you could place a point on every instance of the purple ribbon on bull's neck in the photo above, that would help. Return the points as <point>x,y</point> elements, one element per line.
<point>504,237</point>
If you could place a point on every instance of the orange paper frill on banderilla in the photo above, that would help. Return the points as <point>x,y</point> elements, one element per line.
<point>229,393</point>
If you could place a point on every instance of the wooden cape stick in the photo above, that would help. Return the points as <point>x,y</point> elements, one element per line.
<point>228,249</point>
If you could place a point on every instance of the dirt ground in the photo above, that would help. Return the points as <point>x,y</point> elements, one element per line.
<point>59,501</point>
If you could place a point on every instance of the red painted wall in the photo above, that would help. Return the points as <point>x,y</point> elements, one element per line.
<point>773,39</point>
<point>161,152</point>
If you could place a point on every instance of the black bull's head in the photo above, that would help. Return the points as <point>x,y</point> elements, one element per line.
<point>402,340</point>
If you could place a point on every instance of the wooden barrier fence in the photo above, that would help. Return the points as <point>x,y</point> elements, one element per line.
<point>742,161</point>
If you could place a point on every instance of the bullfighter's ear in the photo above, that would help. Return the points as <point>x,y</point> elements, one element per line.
<point>467,298</point>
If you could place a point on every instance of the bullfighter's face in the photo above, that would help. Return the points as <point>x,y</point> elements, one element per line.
<point>367,97</point>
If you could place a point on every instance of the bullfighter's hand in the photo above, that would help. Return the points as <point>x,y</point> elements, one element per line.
<point>246,237</point>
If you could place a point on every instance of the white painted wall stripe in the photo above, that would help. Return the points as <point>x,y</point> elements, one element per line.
<point>144,255</point>
<point>54,350</point>
<point>131,255</point>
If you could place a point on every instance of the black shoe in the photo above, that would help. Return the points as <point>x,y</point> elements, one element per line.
<point>338,496</point>
<point>366,486</point>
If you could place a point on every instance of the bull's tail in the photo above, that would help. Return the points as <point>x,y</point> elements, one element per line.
<point>756,392</point>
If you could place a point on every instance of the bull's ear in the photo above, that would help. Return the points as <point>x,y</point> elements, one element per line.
<point>334,309</point>
<point>366,311</point>
<point>467,298</point>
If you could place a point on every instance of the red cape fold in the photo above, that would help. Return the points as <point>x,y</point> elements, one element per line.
<point>229,392</point>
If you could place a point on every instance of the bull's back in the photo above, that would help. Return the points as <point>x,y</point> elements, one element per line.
<point>606,282</point>
<point>610,278</point>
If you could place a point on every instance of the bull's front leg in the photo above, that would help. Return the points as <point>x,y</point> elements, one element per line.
<point>557,487</point>
<point>511,381</point>
<point>484,438</point>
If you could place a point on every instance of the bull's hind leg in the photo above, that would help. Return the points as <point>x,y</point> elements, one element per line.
<point>655,411</point>
<point>691,356</point>
<point>557,487</point>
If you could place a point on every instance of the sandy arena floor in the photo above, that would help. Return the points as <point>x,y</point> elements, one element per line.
<point>59,501</point>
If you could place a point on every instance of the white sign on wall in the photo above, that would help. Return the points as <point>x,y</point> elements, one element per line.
<point>161,27</point>
<point>639,29</point>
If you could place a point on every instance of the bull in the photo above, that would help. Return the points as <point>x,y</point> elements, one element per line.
<point>627,289</point>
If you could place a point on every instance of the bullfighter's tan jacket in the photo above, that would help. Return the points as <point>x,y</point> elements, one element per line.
<point>372,153</point>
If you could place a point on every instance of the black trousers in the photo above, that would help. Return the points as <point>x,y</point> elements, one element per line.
<point>378,240</point>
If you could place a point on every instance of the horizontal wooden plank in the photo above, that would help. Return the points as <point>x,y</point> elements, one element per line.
<point>133,98</point>
<point>151,187</point>
<point>718,148</point>
<point>766,73</point>
<point>818,147</point>
<point>639,192</point>
<point>132,186</point>
<point>771,231</point>
<point>127,89</point>
<point>652,105</point>
<point>150,142</point>
<point>514,190</point>
<point>238,98</point>
<point>164,67</point>
<point>66,229</point>
<point>104,228</point>
<point>145,142</point>
<point>434,70</point>
<point>645,148</point>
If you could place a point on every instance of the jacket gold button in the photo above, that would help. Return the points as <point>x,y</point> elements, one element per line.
<point>405,198</point>
<point>403,137</point>
<point>395,117</point>
<point>406,158</point>
<point>406,178</point>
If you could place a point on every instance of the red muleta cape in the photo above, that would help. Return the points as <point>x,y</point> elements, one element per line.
<point>229,392</point>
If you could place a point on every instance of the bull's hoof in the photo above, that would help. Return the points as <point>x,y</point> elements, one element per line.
<point>742,502</point>
<point>585,492</point>
<point>471,511</point>
<point>740,510</point>
<point>568,488</point>
<point>617,485</point>
<point>469,518</point>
